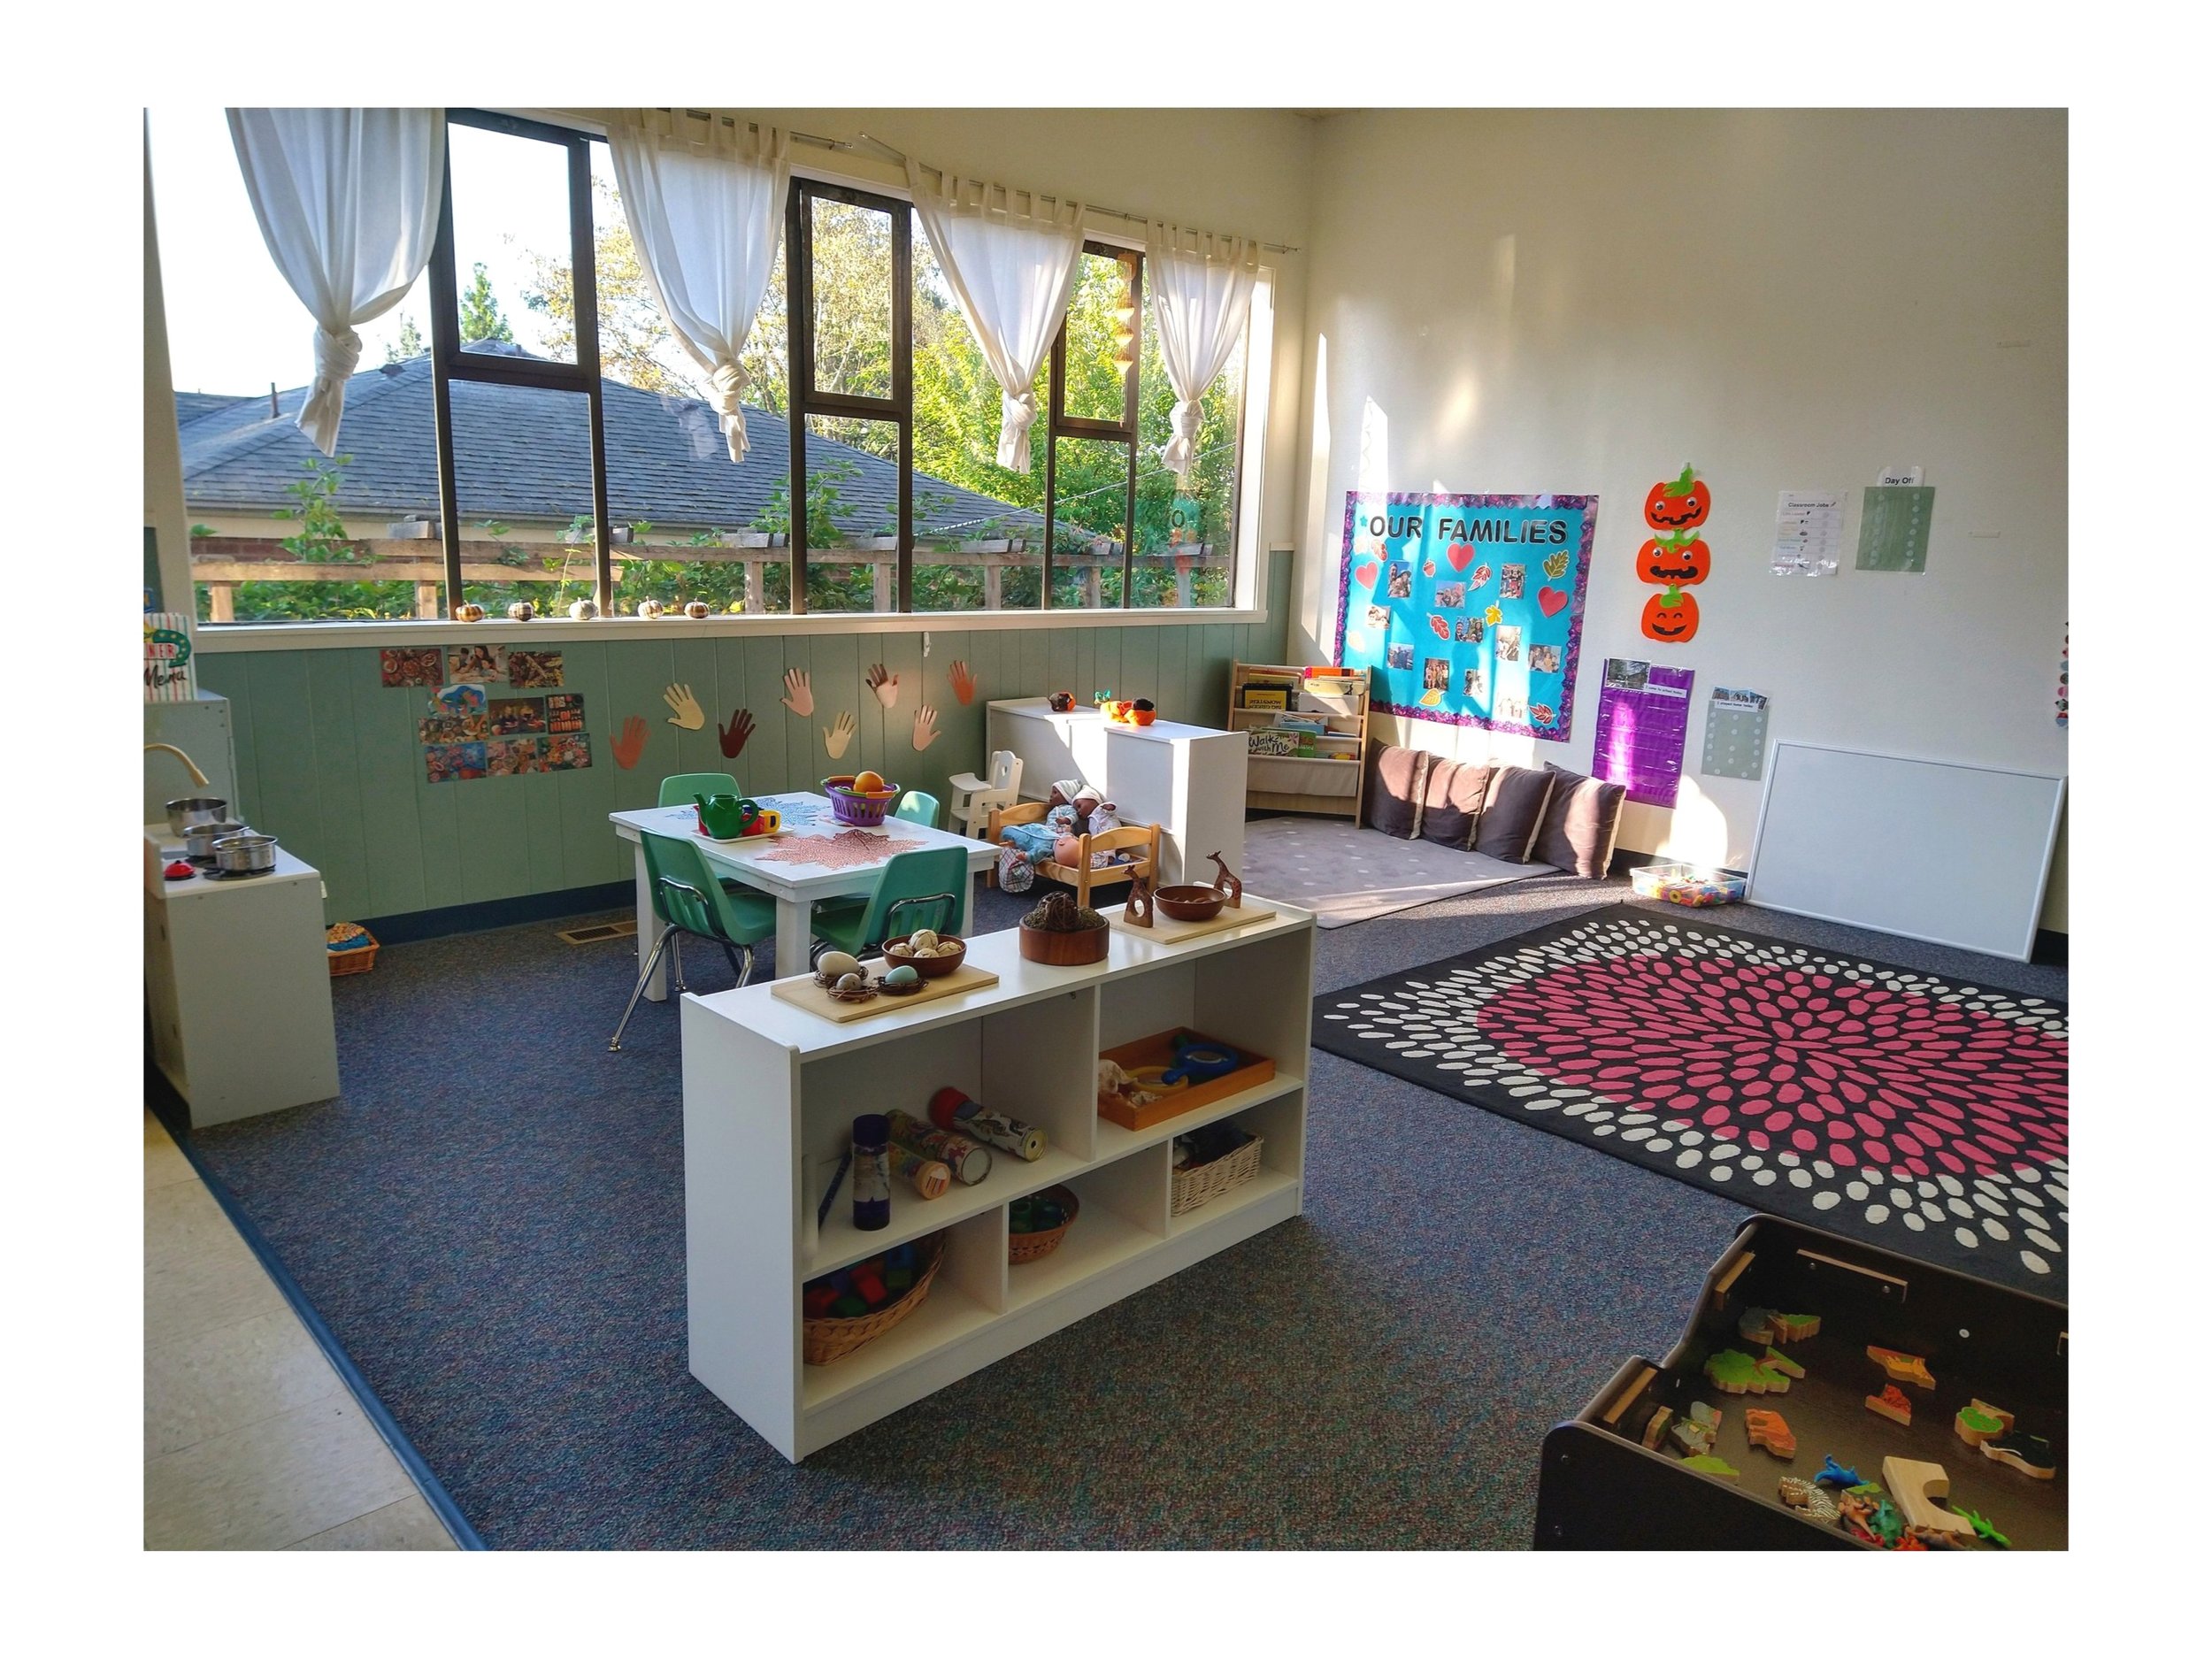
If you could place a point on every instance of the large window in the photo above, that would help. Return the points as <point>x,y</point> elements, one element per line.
<point>524,427</point>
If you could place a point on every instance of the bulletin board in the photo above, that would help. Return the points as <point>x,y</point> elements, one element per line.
<point>1467,609</point>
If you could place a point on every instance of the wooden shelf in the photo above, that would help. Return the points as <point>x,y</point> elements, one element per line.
<point>1345,726</point>
<point>913,1216</point>
<point>1266,1184</point>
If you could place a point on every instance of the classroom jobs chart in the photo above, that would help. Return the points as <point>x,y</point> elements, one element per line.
<point>1467,609</point>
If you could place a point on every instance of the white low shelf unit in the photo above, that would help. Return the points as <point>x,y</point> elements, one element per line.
<point>770,1093</point>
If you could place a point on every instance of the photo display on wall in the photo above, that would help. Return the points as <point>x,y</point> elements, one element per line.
<point>1467,609</point>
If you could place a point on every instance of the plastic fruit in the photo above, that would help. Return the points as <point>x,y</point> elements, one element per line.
<point>868,783</point>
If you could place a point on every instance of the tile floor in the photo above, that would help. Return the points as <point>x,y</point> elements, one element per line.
<point>252,1440</point>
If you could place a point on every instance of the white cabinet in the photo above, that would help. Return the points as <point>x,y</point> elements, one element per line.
<point>770,1093</point>
<point>1189,779</point>
<point>238,982</point>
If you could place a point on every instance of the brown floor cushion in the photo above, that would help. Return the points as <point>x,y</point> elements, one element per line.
<point>1452,803</point>
<point>1395,780</point>
<point>1512,811</point>
<point>1580,824</point>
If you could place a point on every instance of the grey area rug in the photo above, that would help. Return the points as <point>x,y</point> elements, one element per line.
<point>1344,873</point>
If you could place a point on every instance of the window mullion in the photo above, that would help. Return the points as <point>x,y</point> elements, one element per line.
<point>584,289</point>
<point>445,345</point>
<point>798,282</point>
<point>1129,413</point>
<point>903,390</point>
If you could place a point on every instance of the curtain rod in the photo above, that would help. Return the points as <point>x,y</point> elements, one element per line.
<point>901,157</point>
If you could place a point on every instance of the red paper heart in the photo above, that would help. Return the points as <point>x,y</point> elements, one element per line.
<point>1551,601</point>
<point>1364,574</point>
<point>1461,555</point>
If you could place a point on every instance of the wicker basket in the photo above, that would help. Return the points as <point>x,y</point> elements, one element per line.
<point>1035,1246</point>
<point>1196,1188</point>
<point>360,958</point>
<point>827,1340</point>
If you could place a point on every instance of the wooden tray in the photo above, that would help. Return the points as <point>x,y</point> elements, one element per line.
<point>1159,1049</point>
<point>1166,930</point>
<point>800,991</point>
<point>740,840</point>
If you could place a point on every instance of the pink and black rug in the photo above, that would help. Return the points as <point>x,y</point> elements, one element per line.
<point>1876,1102</point>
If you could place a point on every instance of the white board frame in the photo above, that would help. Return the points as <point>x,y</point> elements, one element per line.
<point>2034,909</point>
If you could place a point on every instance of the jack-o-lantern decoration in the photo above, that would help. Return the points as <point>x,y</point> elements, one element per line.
<point>1679,560</point>
<point>1671,617</point>
<point>1680,504</point>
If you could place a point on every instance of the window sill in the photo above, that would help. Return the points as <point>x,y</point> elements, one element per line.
<point>213,640</point>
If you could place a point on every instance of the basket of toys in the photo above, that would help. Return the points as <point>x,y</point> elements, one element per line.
<point>860,801</point>
<point>854,1305</point>
<point>352,948</point>
<point>1687,884</point>
<point>1210,1161</point>
<point>1036,1224</point>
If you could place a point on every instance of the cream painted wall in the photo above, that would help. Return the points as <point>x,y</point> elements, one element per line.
<point>1582,301</point>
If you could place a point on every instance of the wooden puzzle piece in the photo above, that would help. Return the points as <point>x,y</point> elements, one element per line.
<point>2029,1453</point>
<point>1979,1422</point>
<point>1916,1486</point>
<point>1766,1429</point>
<point>1655,1430</point>
<point>1707,1416</point>
<point>1891,1403</point>
<point>1811,1499</point>
<point>1834,1473</point>
<point>1735,1372</point>
<point>1781,1364</point>
<point>1711,1464</point>
<point>1793,1326</point>
<point>1902,1367</point>
<point>1756,1324</point>
<point>1694,1439</point>
<point>1778,1377</point>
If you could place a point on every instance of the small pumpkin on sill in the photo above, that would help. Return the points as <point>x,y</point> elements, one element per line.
<point>583,611</point>
<point>468,612</point>
<point>521,610</point>
<point>648,608</point>
<point>698,610</point>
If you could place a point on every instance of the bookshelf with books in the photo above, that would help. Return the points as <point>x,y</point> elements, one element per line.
<point>1306,728</point>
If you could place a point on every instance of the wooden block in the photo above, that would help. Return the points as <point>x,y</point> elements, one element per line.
<point>1915,1486</point>
<point>2026,1452</point>
<point>1902,1367</point>
<point>1979,1423</point>
<point>1891,1403</point>
<point>1766,1429</point>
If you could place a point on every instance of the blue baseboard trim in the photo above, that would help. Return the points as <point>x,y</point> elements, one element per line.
<point>417,925</point>
<point>163,1101</point>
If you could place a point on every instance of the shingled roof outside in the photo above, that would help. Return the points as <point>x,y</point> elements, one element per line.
<point>523,454</point>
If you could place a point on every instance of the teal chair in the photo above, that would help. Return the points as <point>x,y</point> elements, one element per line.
<point>917,889</point>
<point>686,898</point>
<point>679,790</point>
<point>916,807</point>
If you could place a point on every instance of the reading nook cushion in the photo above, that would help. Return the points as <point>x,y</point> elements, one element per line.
<point>1580,824</point>
<point>1395,778</point>
<point>1452,803</point>
<point>1512,810</point>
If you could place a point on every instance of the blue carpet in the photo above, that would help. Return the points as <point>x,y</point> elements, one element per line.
<point>491,1220</point>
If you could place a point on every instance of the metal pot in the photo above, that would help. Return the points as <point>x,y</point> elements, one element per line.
<point>200,839</point>
<point>241,855</point>
<point>196,809</point>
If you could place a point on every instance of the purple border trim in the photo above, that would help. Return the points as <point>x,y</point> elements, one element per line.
<point>1562,730</point>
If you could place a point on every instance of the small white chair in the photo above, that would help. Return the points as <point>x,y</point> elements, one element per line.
<point>974,800</point>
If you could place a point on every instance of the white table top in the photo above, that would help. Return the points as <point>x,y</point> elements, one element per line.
<point>1019,980</point>
<point>804,814</point>
<point>1158,730</point>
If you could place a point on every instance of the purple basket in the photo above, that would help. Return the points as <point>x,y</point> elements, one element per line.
<point>860,811</point>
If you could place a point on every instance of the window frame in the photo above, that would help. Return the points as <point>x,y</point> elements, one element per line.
<point>449,362</point>
<point>1059,424</point>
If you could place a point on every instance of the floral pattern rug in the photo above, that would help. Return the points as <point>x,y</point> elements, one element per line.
<point>1894,1107</point>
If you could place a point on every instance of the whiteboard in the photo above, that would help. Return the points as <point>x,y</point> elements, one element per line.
<point>1927,850</point>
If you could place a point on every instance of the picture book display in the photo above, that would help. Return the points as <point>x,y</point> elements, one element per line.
<point>1467,609</point>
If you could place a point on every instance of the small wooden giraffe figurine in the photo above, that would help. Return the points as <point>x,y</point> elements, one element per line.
<point>1137,911</point>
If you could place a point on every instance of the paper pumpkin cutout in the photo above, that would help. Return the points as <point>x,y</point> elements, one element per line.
<point>1679,560</point>
<point>1671,617</point>
<point>1680,504</point>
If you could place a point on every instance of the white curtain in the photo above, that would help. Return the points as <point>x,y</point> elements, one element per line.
<point>704,201</point>
<point>348,201</point>
<point>1013,272</point>
<point>1201,288</point>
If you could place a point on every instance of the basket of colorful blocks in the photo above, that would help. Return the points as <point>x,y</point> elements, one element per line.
<point>851,1306</point>
<point>1036,1224</point>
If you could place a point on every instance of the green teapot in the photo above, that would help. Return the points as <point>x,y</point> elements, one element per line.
<point>727,818</point>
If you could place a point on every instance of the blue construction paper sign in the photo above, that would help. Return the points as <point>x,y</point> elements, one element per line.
<point>1467,609</point>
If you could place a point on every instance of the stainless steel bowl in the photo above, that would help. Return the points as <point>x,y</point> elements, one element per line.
<point>194,808</point>
<point>200,839</point>
<point>241,855</point>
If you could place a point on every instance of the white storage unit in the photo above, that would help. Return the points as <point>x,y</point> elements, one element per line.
<point>770,1093</point>
<point>1189,779</point>
<point>238,980</point>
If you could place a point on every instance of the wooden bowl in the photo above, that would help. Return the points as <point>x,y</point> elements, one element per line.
<point>1078,949</point>
<point>1190,903</point>
<point>937,966</point>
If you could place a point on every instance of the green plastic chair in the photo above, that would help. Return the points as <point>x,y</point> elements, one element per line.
<point>917,807</point>
<point>686,898</point>
<point>917,889</point>
<point>677,790</point>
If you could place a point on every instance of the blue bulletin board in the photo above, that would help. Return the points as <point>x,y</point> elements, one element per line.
<point>1467,609</point>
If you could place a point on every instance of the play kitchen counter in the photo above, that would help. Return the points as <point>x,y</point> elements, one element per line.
<point>769,1095</point>
<point>238,985</point>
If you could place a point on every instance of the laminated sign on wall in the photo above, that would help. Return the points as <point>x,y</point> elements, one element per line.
<point>1467,609</point>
